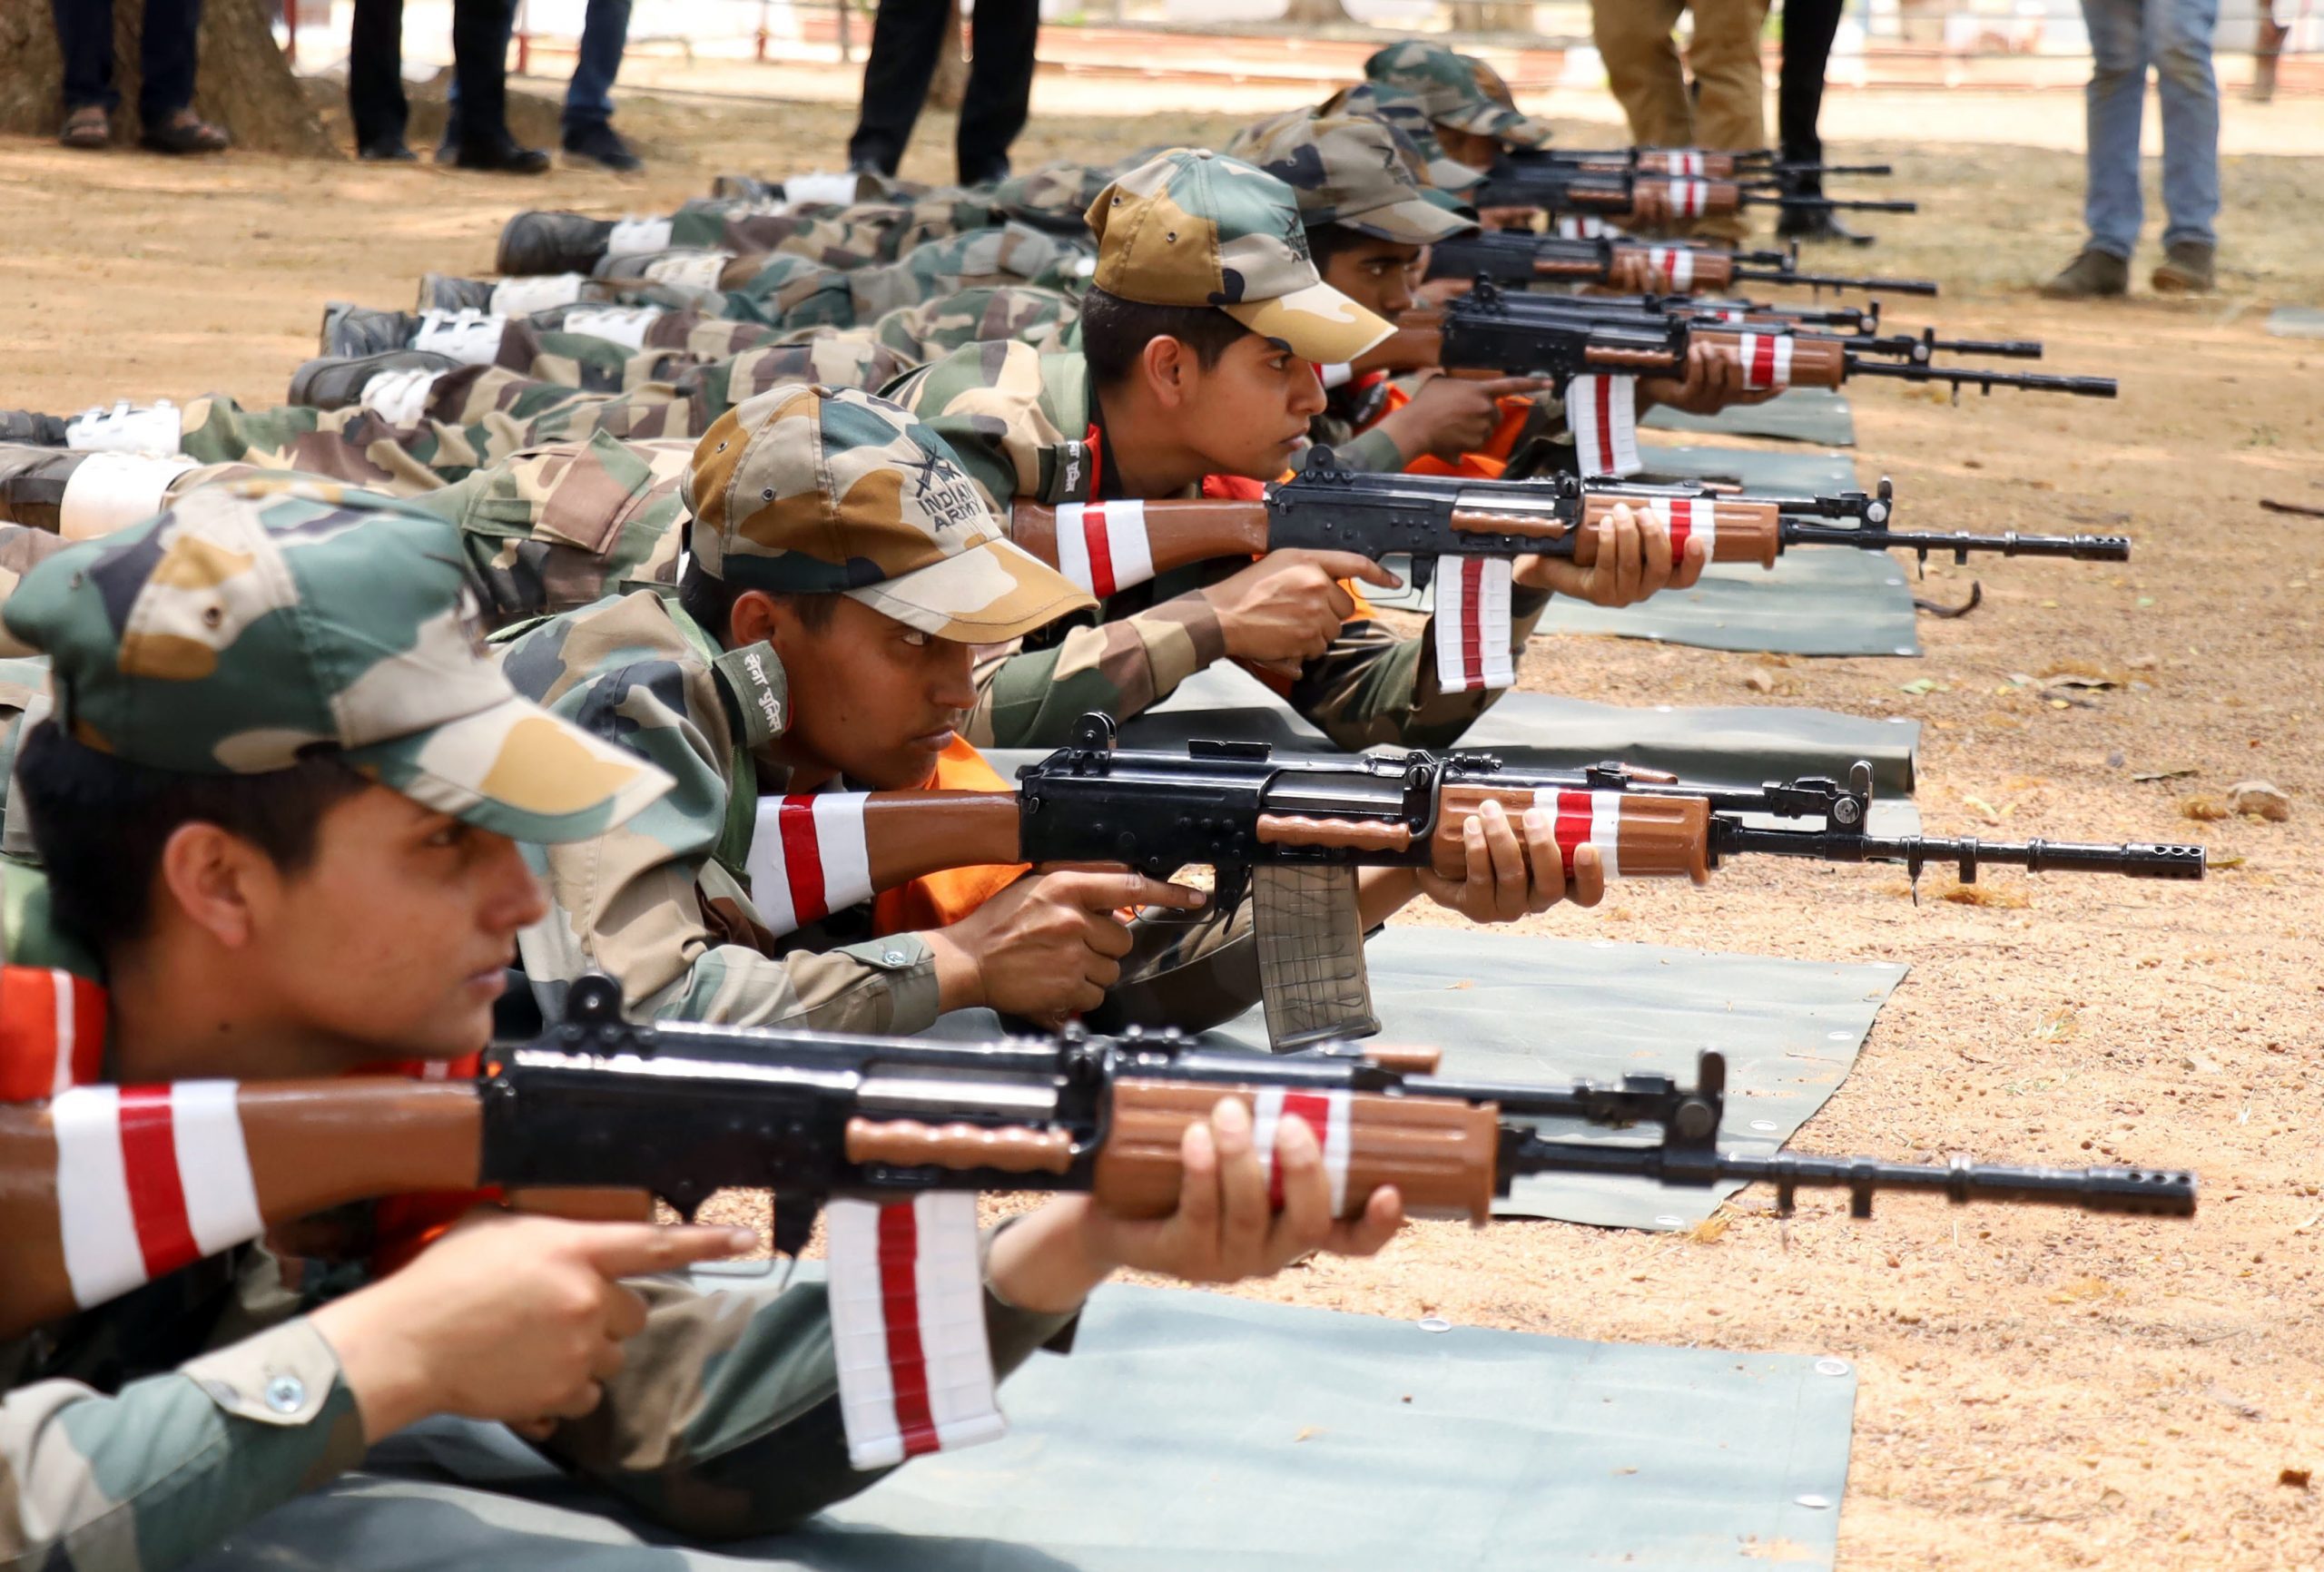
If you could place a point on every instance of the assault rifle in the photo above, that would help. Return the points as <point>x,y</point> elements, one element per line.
<point>1516,334</point>
<point>1515,258</point>
<point>1683,162</point>
<point>1631,197</point>
<point>679,1112</point>
<point>1108,547</point>
<point>1292,831</point>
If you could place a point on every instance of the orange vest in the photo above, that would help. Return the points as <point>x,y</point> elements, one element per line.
<point>942,899</point>
<point>1487,463</point>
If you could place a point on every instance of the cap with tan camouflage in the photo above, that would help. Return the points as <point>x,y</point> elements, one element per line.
<point>1407,114</point>
<point>1527,132</point>
<point>812,490</point>
<point>1446,81</point>
<point>1356,172</point>
<point>1192,228</point>
<point>254,622</point>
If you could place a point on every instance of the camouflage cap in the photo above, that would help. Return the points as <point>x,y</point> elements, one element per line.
<point>819,490</point>
<point>1356,172</point>
<point>1192,228</point>
<point>1526,132</point>
<point>1446,83</point>
<point>1407,114</point>
<point>255,623</point>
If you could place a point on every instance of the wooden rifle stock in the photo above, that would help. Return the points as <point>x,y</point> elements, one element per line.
<point>1816,361</point>
<point>1745,531</point>
<point>1650,200</point>
<point>1416,345</point>
<point>1658,837</point>
<point>1178,532</point>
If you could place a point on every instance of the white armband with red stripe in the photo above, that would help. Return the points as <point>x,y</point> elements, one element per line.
<point>907,1300</point>
<point>1326,1113</point>
<point>808,858</point>
<point>149,1180</point>
<point>1473,623</point>
<point>1675,264</point>
<point>1585,819</point>
<point>1103,546</point>
<point>1684,518</point>
<point>1766,361</point>
<point>1602,413</point>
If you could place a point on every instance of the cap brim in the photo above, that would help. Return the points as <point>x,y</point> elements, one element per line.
<point>1415,222</point>
<point>1316,323</point>
<point>517,769</point>
<point>1450,175</point>
<point>981,596</point>
<point>1525,130</point>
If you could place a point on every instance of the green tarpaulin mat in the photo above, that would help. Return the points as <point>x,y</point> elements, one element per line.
<point>1766,474</point>
<point>1816,601</point>
<point>1817,414</point>
<point>2296,322</point>
<point>1727,745</point>
<point>1192,1430</point>
<point>1542,1011</point>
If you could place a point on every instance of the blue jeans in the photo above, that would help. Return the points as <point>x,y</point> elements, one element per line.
<point>589,96</point>
<point>2175,36</point>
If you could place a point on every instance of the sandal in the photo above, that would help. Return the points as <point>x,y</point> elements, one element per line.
<point>88,128</point>
<point>186,132</point>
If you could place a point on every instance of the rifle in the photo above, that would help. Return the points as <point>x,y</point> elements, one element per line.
<point>1516,258</point>
<point>1518,334</point>
<point>1683,162</point>
<point>597,1103</point>
<point>1292,831</point>
<point>1629,197</point>
<point>1110,546</point>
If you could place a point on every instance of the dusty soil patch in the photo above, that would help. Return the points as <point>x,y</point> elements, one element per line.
<point>2039,1391</point>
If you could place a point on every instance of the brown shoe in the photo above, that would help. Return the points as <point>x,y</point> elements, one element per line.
<point>2186,269</point>
<point>87,128</point>
<point>2094,275</point>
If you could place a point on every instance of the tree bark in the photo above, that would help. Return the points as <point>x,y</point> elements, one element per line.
<point>1492,15</point>
<point>1317,11</point>
<point>951,83</point>
<point>242,84</point>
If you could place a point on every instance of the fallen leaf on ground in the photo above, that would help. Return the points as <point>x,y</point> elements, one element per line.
<point>2204,809</point>
<point>2296,1477</point>
<point>1709,1230</point>
<point>2154,775</point>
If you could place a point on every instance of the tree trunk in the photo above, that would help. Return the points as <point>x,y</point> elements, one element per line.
<point>1317,11</point>
<point>951,83</point>
<point>242,84</point>
<point>1492,15</point>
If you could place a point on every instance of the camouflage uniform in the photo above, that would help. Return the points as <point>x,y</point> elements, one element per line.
<point>147,1428</point>
<point>1026,428</point>
<point>800,491</point>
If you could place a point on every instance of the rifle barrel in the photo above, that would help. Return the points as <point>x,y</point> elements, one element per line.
<point>2144,1191</point>
<point>2074,548</point>
<point>2083,386</point>
<point>2132,860</point>
<point>1849,204</point>
<point>1786,275</point>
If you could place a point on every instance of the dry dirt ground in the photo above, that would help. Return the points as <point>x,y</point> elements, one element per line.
<point>2038,1390</point>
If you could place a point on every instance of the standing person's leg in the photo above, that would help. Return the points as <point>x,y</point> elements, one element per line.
<point>480,31</point>
<point>2179,39</point>
<point>1731,90</point>
<point>1808,29</point>
<point>905,38</point>
<point>167,49</point>
<point>1642,58</point>
<point>375,97</point>
<point>589,96</point>
<point>2113,103</point>
<point>85,37</point>
<point>1001,86</point>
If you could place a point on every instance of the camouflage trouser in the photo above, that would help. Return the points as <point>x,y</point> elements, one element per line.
<point>477,414</point>
<point>666,341</point>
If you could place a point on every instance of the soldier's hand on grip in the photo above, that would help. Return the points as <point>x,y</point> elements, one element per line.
<point>1514,870</point>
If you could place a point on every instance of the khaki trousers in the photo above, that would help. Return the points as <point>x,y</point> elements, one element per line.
<point>1634,37</point>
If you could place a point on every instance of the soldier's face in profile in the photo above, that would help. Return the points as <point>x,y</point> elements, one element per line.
<point>1376,274</point>
<point>873,700</point>
<point>392,942</point>
<point>1472,148</point>
<point>1246,413</point>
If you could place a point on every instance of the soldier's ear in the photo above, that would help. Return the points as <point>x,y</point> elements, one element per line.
<point>1170,369</point>
<point>751,620</point>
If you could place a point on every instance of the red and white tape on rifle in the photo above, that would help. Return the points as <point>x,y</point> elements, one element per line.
<point>907,1302</point>
<point>1684,518</point>
<point>149,1180</point>
<point>1585,819</point>
<point>1602,412</point>
<point>1688,198</point>
<point>1766,359</point>
<point>1684,163</point>
<point>1675,264</point>
<point>1473,622</point>
<point>1326,1113</point>
<point>1581,227</point>
<point>809,858</point>
<point>1103,546</point>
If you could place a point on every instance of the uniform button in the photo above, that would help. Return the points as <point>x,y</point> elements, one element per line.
<point>895,957</point>
<point>286,1394</point>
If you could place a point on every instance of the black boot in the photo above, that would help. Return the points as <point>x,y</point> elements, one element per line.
<point>443,292</point>
<point>32,482</point>
<point>550,242</point>
<point>500,154</point>
<point>1817,226</point>
<point>30,425</point>
<point>358,330</point>
<point>604,146</point>
<point>337,381</point>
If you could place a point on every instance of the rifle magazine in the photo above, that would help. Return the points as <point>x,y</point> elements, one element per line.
<point>1312,976</point>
